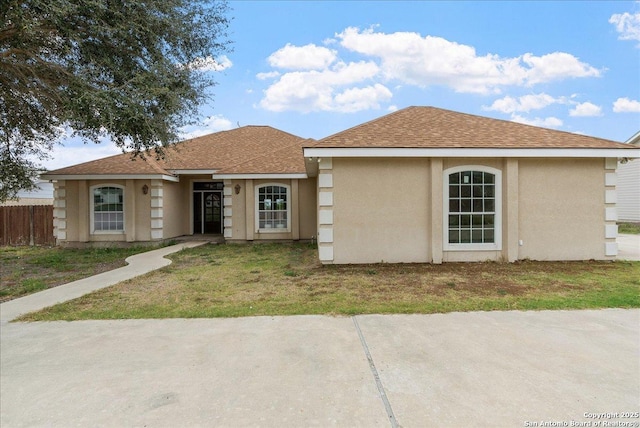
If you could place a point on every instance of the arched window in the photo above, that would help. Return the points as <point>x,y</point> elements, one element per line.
<point>472,208</point>
<point>273,208</point>
<point>107,209</point>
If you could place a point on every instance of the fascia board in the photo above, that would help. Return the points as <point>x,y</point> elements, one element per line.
<point>110,177</point>
<point>192,171</point>
<point>260,176</point>
<point>470,153</point>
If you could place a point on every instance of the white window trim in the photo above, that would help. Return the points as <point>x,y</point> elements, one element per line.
<point>495,246</point>
<point>91,211</point>
<point>257,188</point>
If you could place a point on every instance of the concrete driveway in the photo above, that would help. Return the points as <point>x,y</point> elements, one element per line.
<point>461,369</point>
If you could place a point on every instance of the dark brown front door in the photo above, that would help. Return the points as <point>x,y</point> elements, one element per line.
<point>207,212</point>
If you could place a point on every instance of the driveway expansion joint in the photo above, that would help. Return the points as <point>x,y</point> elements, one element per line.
<point>376,376</point>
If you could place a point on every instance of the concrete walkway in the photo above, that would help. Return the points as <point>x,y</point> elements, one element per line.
<point>138,264</point>
<point>481,369</point>
<point>628,247</point>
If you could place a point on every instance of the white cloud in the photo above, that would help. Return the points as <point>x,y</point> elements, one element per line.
<point>585,109</point>
<point>547,122</point>
<point>211,64</point>
<point>316,90</point>
<point>314,76</point>
<point>525,103</point>
<point>268,75</point>
<point>556,66</point>
<point>308,57</point>
<point>625,105</point>
<point>209,125</point>
<point>424,61</point>
<point>392,108</point>
<point>357,99</point>
<point>627,25</point>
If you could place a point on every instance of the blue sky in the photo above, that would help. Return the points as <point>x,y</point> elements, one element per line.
<point>316,68</point>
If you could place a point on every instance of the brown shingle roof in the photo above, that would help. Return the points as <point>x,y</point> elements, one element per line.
<point>430,127</point>
<point>288,160</point>
<point>227,148</point>
<point>118,164</point>
<point>218,151</point>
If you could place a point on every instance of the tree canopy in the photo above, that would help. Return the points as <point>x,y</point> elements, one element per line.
<point>121,69</point>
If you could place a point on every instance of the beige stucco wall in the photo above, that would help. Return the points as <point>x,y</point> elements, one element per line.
<point>238,208</point>
<point>307,208</point>
<point>77,201</point>
<point>176,208</point>
<point>392,210</point>
<point>302,205</point>
<point>561,207</point>
<point>72,210</point>
<point>380,210</point>
<point>174,200</point>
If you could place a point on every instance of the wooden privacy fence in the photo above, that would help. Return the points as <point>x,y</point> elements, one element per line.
<point>26,225</point>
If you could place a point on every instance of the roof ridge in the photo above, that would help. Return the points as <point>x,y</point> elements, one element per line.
<point>365,123</point>
<point>427,126</point>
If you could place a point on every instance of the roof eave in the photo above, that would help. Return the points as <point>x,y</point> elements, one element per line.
<point>472,152</point>
<point>260,176</point>
<point>164,177</point>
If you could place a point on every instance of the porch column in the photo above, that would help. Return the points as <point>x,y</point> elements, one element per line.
<point>227,210</point>
<point>437,192</point>
<point>610,211</point>
<point>60,211</point>
<point>157,210</point>
<point>325,211</point>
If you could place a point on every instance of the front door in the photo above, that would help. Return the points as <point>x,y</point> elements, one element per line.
<point>207,211</point>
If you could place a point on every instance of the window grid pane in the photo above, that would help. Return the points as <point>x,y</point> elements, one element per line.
<point>108,209</point>
<point>272,207</point>
<point>471,207</point>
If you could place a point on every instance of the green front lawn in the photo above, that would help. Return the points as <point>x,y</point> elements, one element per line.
<point>286,279</point>
<point>26,270</point>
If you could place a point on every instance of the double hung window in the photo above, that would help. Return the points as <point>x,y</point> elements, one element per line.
<point>273,210</point>
<point>107,207</point>
<point>472,208</point>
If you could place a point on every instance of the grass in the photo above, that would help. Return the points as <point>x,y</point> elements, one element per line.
<point>281,279</point>
<point>630,228</point>
<point>26,270</point>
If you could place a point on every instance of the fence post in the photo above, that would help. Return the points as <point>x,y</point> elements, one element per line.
<point>31,240</point>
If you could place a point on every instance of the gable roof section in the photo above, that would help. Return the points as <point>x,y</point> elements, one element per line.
<point>225,149</point>
<point>218,151</point>
<point>434,132</point>
<point>430,127</point>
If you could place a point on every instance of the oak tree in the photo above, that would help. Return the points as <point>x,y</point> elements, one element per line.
<point>128,70</point>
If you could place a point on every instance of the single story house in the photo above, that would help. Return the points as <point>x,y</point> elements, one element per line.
<point>629,186</point>
<point>421,184</point>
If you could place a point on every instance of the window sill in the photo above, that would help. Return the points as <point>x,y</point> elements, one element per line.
<point>108,232</point>
<point>471,247</point>
<point>274,230</point>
